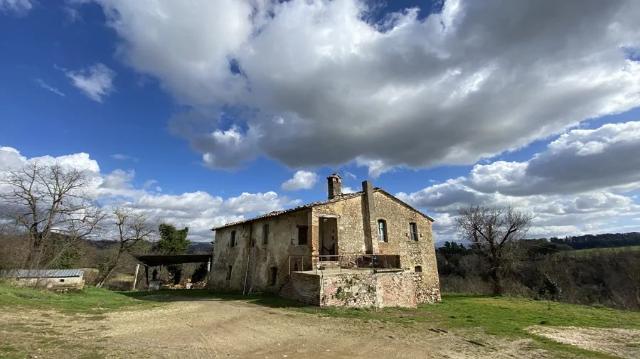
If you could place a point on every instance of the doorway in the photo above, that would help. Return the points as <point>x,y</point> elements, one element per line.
<point>328,238</point>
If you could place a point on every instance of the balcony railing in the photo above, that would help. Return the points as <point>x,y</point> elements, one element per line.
<point>343,261</point>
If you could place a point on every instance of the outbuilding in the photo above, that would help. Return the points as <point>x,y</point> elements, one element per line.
<point>54,279</point>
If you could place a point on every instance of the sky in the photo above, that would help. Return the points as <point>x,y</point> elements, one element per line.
<point>203,112</point>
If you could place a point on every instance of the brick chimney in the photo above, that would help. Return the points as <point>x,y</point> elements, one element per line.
<point>334,186</point>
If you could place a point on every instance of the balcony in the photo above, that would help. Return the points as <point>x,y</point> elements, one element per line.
<point>344,262</point>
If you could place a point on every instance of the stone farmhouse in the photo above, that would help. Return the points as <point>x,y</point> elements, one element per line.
<point>360,249</point>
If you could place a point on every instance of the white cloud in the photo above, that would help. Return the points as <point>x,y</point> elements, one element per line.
<point>10,159</point>
<point>347,189</point>
<point>569,190</point>
<point>313,83</point>
<point>95,81</point>
<point>123,157</point>
<point>579,160</point>
<point>46,86</point>
<point>200,211</point>
<point>18,7</point>
<point>375,167</point>
<point>300,180</point>
<point>188,47</point>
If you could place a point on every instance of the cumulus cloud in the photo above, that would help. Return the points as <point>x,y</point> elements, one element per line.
<point>95,81</point>
<point>300,180</point>
<point>200,211</point>
<point>319,83</point>
<point>583,182</point>
<point>579,160</point>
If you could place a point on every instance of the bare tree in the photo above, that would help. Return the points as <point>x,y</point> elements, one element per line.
<point>46,200</point>
<point>491,230</point>
<point>131,229</point>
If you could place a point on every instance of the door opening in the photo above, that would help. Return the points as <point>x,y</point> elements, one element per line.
<point>328,238</point>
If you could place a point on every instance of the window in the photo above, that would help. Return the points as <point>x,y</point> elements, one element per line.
<point>413,230</point>
<point>302,235</point>
<point>232,240</point>
<point>418,269</point>
<point>273,275</point>
<point>265,233</point>
<point>382,230</point>
<point>229,269</point>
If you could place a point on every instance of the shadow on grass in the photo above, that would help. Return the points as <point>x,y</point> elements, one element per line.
<point>181,295</point>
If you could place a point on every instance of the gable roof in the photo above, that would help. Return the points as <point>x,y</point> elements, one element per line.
<point>319,203</point>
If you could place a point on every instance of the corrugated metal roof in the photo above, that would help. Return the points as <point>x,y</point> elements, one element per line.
<point>41,273</point>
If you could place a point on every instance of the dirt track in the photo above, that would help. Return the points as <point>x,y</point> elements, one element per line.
<point>235,329</point>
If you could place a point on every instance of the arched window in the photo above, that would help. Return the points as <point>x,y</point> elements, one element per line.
<point>382,231</point>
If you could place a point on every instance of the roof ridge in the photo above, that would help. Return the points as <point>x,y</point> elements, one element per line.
<point>276,213</point>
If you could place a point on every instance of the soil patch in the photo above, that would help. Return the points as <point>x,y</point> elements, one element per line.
<point>624,343</point>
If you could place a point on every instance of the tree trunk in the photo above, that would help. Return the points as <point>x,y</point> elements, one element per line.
<point>496,280</point>
<point>110,270</point>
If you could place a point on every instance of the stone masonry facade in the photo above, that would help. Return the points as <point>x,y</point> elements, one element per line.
<point>279,252</point>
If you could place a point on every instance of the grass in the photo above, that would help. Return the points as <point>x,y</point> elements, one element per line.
<point>88,301</point>
<point>500,316</point>
<point>503,316</point>
<point>592,251</point>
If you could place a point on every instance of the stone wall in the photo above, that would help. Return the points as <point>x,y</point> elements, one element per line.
<point>413,254</point>
<point>302,287</point>
<point>348,213</point>
<point>367,289</point>
<point>251,264</point>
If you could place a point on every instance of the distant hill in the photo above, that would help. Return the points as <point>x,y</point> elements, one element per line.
<point>200,247</point>
<point>607,240</point>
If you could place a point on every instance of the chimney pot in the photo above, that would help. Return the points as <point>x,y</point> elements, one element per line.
<point>334,186</point>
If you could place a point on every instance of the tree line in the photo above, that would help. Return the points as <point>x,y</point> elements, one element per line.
<point>47,218</point>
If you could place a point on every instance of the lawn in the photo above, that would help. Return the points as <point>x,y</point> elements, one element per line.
<point>500,316</point>
<point>88,301</point>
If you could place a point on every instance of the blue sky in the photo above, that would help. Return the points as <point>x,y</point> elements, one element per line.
<point>411,99</point>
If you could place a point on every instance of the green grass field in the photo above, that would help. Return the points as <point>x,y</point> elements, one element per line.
<point>499,316</point>
<point>596,251</point>
<point>88,301</point>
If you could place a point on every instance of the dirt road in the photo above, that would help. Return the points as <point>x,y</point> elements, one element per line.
<point>236,329</point>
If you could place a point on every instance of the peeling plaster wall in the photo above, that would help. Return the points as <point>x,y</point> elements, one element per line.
<point>369,290</point>
<point>254,262</point>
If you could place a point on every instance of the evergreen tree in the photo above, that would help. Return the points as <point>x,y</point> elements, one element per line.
<point>172,240</point>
